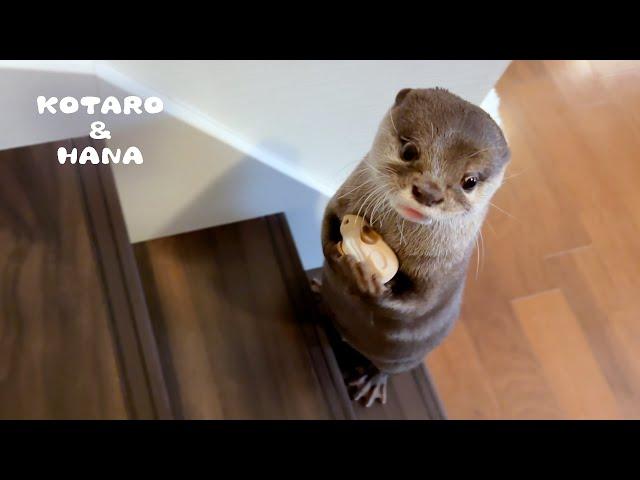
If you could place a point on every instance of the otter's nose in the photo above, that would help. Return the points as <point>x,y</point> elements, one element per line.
<point>427,194</point>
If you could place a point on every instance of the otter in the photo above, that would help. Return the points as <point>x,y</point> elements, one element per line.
<point>425,186</point>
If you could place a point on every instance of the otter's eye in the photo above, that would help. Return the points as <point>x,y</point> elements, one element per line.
<point>409,152</point>
<point>468,183</point>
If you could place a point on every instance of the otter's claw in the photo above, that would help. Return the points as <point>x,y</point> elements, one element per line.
<point>370,388</point>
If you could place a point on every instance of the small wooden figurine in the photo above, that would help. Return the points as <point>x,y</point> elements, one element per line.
<point>366,245</point>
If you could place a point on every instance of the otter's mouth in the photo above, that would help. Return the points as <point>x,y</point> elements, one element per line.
<point>410,210</point>
<point>411,214</point>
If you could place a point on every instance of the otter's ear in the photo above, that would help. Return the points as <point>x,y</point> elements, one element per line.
<point>401,95</point>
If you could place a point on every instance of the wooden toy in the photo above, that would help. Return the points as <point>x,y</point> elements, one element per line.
<point>366,245</point>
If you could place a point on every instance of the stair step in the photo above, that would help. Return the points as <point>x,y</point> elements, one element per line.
<point>240,335</point>
<point>219,323</point>
<point>75,342</point>
<point>232,330</point>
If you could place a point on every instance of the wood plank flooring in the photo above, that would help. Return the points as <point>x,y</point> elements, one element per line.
<point>550,327</point>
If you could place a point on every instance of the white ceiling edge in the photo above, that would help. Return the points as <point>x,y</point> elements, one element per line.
<point>63,66</point>
<point>208,125</point>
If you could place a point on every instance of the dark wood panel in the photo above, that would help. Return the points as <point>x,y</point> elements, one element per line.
<point>241,335</point>
<point>131,325</point>
<point>57,355</point>
<point>231,329</point>
<point>71,342</point>
<point>233,339</point>
<point>310,319</point>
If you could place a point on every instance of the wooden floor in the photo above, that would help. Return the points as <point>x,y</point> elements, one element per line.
<point>551,326</point>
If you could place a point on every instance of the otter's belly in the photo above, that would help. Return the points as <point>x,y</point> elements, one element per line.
<point>393,341</point>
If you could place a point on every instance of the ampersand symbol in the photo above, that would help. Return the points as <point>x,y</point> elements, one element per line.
<point>98,132</point>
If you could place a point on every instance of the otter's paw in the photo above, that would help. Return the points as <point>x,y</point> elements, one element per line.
<point>370,387</point>
<point>362,279</point>
<point>316,285</point>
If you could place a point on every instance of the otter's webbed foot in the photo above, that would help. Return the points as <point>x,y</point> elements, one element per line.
<point>370,387</point>
<point>316,285</point>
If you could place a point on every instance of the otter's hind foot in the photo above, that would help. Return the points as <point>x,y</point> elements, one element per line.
<point>370,387</point>
<point>316,285</point>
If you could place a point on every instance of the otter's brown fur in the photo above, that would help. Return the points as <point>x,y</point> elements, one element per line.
<point>397,324</point>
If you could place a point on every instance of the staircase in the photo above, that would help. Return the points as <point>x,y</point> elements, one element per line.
<point>218,323</point>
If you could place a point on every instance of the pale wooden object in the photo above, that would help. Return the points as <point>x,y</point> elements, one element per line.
<point>366,245</point>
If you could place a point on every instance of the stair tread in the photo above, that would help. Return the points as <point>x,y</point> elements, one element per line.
<point>240,336</point>
<point>75,341</point>
<point>229,335</point>
<point>217,323</point>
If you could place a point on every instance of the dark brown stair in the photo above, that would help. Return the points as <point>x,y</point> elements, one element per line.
<point>234,337</point>
<point>240,336</point>
<point>75,339</point>
<point>219,323</point>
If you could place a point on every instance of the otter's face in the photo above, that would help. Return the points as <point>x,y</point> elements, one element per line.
<point>439,156</point>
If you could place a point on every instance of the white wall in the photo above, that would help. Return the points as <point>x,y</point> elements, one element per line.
<point>312,120</point>
<point>190,180</point>
<point>20,123</point>
<point>308,123</point>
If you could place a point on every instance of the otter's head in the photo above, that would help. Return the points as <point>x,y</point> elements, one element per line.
<point>439,155</point>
